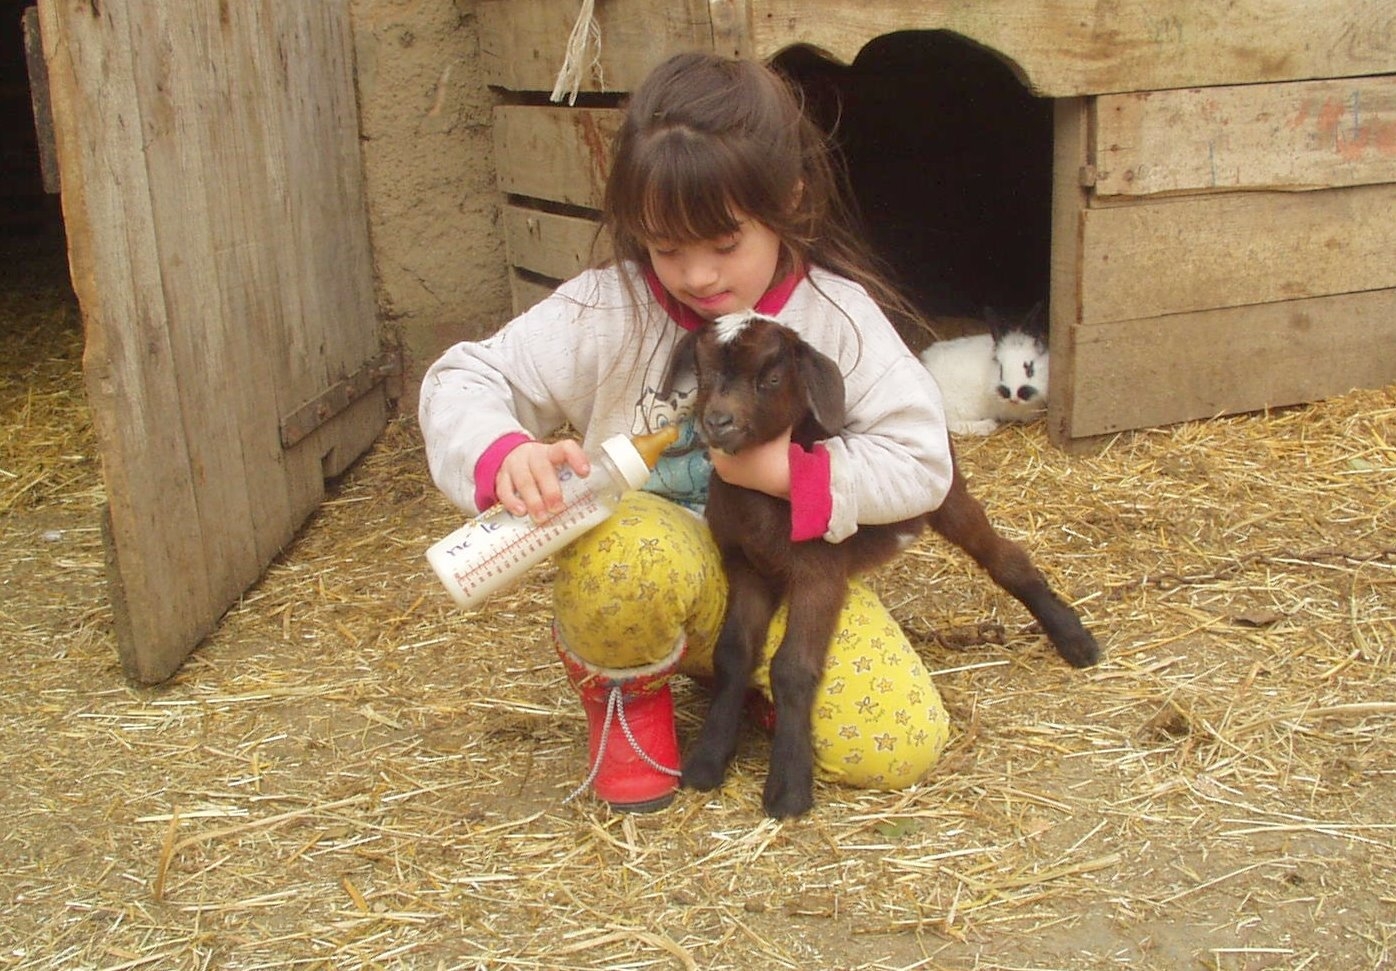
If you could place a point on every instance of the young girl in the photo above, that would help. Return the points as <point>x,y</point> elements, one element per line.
<point>722,197</point>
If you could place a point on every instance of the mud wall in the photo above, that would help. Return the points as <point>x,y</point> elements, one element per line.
<point>429,170</point>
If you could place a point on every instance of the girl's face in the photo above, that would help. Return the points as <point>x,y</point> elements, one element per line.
<point>719,276</point>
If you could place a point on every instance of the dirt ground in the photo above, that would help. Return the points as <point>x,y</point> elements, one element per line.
<point>351,774</point>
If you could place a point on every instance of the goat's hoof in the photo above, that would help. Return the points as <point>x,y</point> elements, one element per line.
<point>1079,649</point>
<point>702,772</point>
<point>783,799</point>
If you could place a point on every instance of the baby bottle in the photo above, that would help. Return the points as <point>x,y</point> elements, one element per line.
<point>497,547</point>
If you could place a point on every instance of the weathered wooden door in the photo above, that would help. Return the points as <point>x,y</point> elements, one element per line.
<point>218,243</point>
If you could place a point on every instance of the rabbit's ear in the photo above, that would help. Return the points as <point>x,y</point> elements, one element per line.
<point>998,324</point>
<point>1035,321</point>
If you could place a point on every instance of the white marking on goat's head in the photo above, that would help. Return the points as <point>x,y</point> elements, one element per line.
<point>729,327</point>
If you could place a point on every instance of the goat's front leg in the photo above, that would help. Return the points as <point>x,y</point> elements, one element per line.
<point>961,520</point>
<point>750,606</point>
<point>815,606</point>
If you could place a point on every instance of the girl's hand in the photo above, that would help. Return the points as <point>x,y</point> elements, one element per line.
<point>764,468</point>
<point>527,481</point>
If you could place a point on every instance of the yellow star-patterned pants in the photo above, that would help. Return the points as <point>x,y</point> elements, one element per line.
<point>650,575</point>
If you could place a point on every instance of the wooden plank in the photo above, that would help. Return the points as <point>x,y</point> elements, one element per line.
<point>523,43</point>
<point>39,99</point>
<point>527,291</point>
<point>219,248</point>
<point>550,244</point>
<point>1301,135</point>
<point>248,212</point>
<point>558,154</point>
<point>173,57</point>
<point>731,26</point>
<point>337,398</point>
<point>1204,252</point>
<point>1142,373</point>
<point>1070,135</point>
<point>128,361</point>
<point>302,66</point>
<point>1063,48</point>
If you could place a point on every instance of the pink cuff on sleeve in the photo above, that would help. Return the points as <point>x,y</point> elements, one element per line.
<point>811,502</point>
<point>487,467</point>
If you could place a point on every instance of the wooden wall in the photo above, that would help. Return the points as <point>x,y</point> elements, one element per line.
<point>1069,48</point>
<point>1223,176</point>
<point>1235,250</point>
<point>1061,48</point>
<point>552,166</point>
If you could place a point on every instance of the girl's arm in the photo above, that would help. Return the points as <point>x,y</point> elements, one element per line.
<point>763,468</point>
<point>480,400</point>
<point>892,460</point>
<point>783,469</point>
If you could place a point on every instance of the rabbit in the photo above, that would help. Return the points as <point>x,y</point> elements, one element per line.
<point>989,379</point>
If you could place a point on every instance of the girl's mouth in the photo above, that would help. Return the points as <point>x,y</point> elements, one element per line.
<point>710,303</point>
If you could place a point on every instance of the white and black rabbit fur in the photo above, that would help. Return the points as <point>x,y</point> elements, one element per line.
<point>989,379</point>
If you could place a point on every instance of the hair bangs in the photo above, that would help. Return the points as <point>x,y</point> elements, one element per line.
<point>689,190</point>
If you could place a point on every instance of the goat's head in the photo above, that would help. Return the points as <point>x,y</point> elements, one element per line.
<point>756,378</point>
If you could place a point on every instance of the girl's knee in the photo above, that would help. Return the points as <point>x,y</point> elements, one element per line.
<point>879,722</point>
<point>888,742</point>
<point>628,588</point>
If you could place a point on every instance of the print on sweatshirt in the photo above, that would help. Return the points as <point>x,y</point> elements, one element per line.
<point>683,470</point>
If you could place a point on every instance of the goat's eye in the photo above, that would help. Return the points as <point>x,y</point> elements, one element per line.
<point>771,379</point>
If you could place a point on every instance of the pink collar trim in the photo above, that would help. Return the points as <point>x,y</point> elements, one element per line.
<point>772,302</point>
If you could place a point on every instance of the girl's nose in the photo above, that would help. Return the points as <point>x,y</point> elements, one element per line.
<point>700,275</point>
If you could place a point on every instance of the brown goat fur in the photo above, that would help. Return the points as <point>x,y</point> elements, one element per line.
<point>757,378</point>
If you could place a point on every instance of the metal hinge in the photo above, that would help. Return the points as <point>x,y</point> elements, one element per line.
<point>304,420</point>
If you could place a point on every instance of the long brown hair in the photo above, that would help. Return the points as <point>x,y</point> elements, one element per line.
<point>706,136</point>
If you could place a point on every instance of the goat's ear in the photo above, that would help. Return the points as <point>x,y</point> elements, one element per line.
<point>683,362</point>
<point>824,389</point>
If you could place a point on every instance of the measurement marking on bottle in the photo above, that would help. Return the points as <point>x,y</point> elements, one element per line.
<point>520,549</point>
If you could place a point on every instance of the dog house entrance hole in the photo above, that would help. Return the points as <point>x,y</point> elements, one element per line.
<point>950,161</point>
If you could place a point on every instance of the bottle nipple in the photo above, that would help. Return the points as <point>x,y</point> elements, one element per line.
<point>652,446</point>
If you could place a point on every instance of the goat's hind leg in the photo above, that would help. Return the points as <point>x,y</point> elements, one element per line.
<point>796,670</point>
<point>750,606</point>
<point>962,521</point>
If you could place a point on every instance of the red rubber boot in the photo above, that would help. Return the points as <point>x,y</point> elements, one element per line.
<point>630,715</point>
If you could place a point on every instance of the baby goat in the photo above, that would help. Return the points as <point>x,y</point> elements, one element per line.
<point>757,378</point>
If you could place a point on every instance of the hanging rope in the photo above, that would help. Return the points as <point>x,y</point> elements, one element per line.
<point>586,34</point>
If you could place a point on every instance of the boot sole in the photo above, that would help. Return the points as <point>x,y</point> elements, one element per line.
<point>648,806</point>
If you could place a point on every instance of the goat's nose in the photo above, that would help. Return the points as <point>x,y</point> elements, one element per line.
<point>717,421</point>
<point>1026,392</point>
<point>1004,391</point>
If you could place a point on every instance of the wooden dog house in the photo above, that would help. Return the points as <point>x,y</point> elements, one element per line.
<point>1220,179</point>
